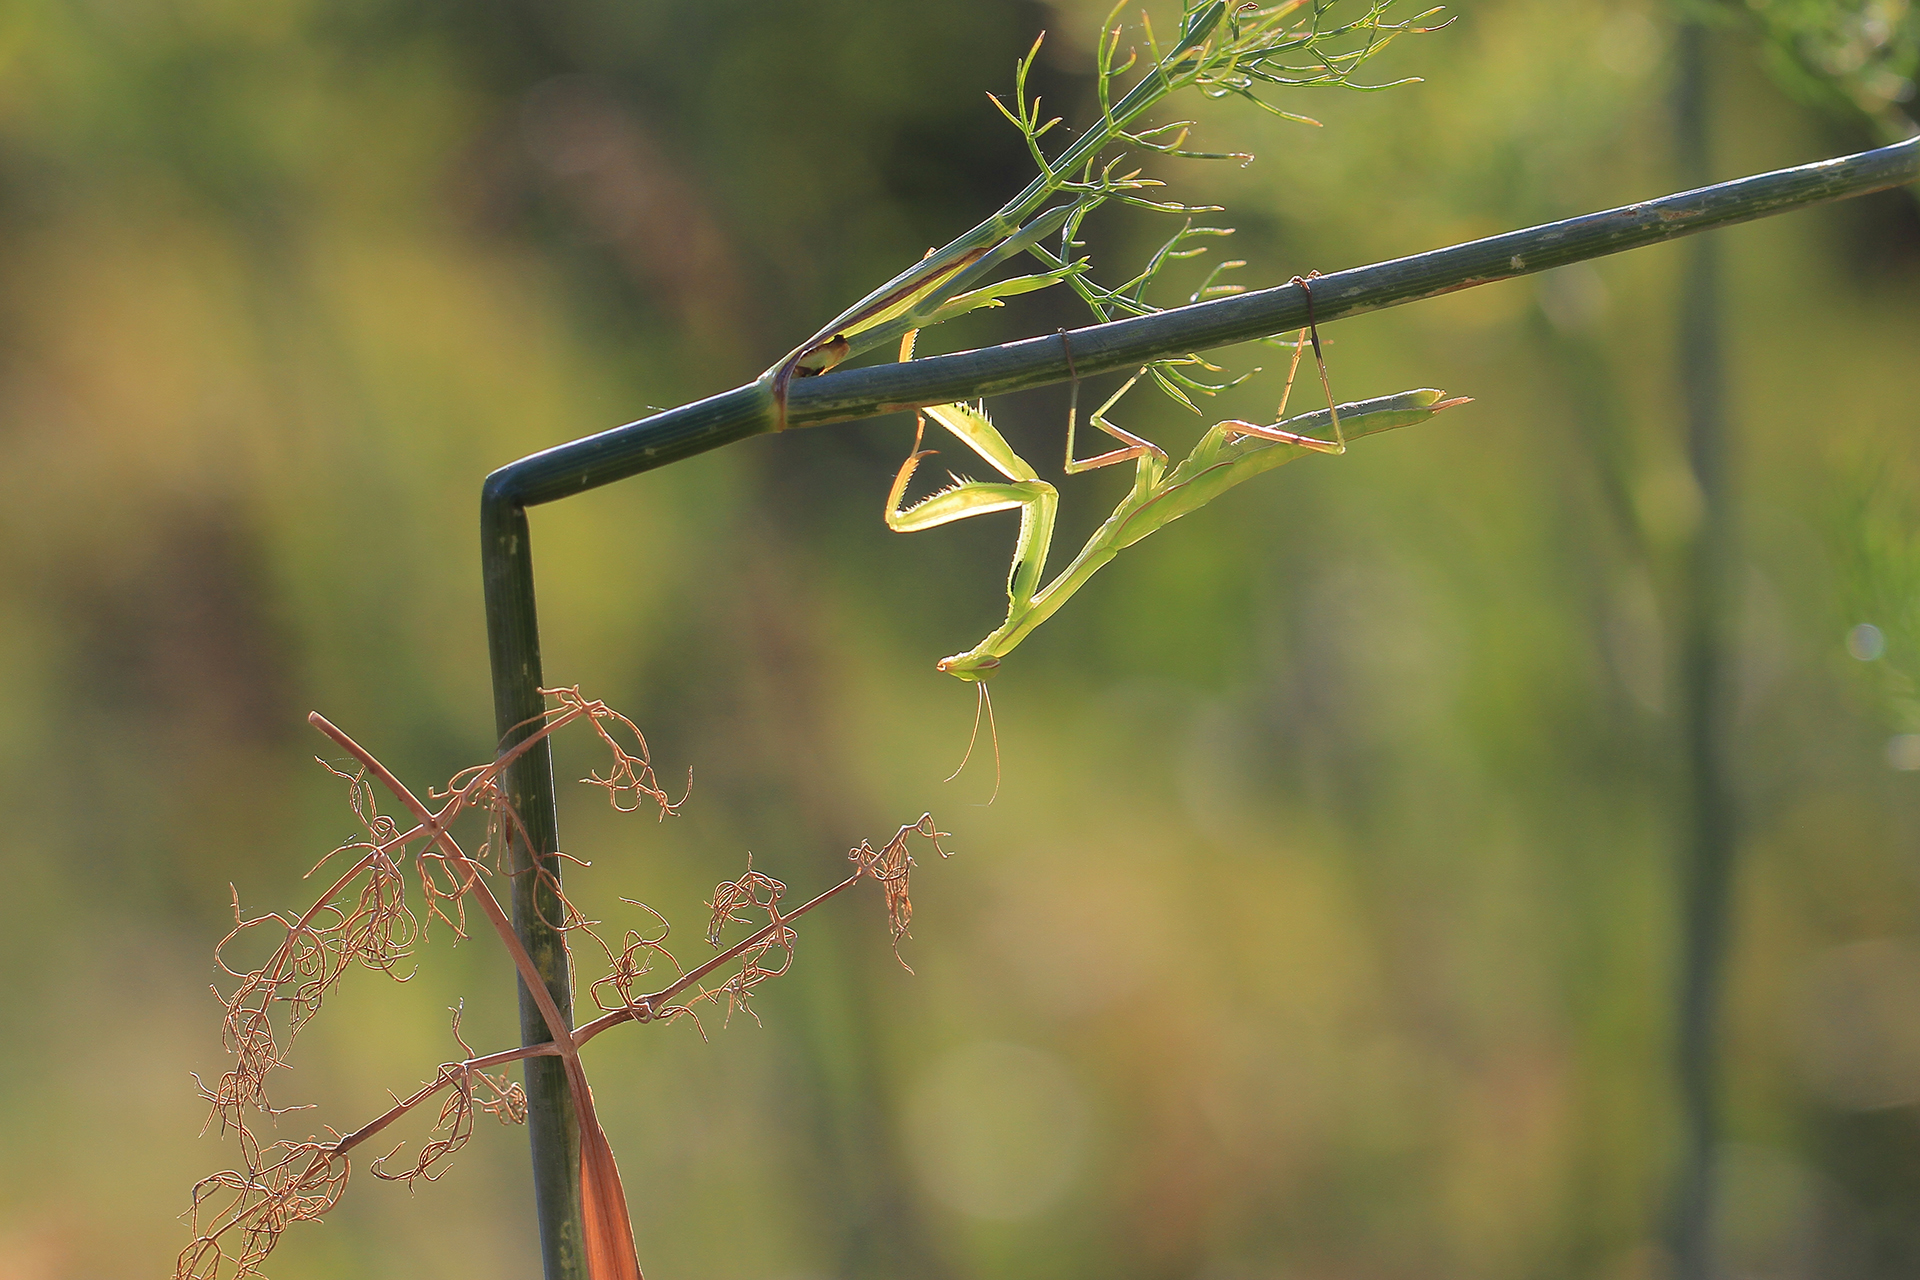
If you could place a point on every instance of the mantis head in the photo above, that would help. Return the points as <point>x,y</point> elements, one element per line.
<point>975,667</point>
<point>972,666</point>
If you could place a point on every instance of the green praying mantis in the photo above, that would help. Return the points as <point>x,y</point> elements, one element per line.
<point>1229,453</point>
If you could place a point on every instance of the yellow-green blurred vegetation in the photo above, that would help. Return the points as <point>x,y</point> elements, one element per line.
<point>1325,923</point>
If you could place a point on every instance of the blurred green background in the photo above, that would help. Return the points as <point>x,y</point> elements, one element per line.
<point>1325,924</point>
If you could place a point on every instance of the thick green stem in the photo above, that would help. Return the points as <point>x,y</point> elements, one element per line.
<point>513,637</point>
<point>1707,857</point>
<point>1127,344</point>
<point>561,472</point>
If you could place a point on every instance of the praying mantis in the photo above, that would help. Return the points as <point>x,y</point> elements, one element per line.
<point>1229,453</point>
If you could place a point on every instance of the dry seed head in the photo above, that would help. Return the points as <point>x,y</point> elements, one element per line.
<point>751,891</point>
<point>891,866</point>
<point>635,961</point>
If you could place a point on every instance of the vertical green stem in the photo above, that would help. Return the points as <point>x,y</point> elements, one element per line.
<point>1706,594</point>
<point>513,642</point>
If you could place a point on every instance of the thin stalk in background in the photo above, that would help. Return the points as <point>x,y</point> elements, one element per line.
<point>1706,599</point>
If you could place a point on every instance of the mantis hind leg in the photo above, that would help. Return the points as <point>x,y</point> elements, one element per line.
<point>1338,444</point>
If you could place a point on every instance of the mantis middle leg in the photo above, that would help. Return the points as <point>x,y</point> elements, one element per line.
<point>1132,446</point>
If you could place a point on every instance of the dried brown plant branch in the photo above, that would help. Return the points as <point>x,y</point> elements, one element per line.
<point>890,866</point>
<point>238,1216</point>
<point>609,1235</point>
<point>363,918</point>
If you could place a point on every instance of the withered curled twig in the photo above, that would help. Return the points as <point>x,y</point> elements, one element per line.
<point>363,918</point>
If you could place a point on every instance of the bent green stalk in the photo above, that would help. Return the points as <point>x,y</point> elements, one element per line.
<point>579,466</point>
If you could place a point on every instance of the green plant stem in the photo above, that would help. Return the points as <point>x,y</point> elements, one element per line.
<point>507,554</point>
<point>1706,596</point>
<point>513,640</point>
<point>1126,344</point>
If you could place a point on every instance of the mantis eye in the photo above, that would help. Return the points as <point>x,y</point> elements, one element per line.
<point>967,667</point>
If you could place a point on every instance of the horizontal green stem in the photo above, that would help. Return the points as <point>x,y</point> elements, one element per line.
<point>1129,343</point>
<point>1126,344</point>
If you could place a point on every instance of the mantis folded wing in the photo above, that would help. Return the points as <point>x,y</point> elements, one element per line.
<point>1227,454</point>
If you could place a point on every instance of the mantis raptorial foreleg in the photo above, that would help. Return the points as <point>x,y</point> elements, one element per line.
<point>1034,498</point>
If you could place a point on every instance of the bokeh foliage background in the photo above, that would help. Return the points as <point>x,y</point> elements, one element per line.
<point>1325,922</point>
